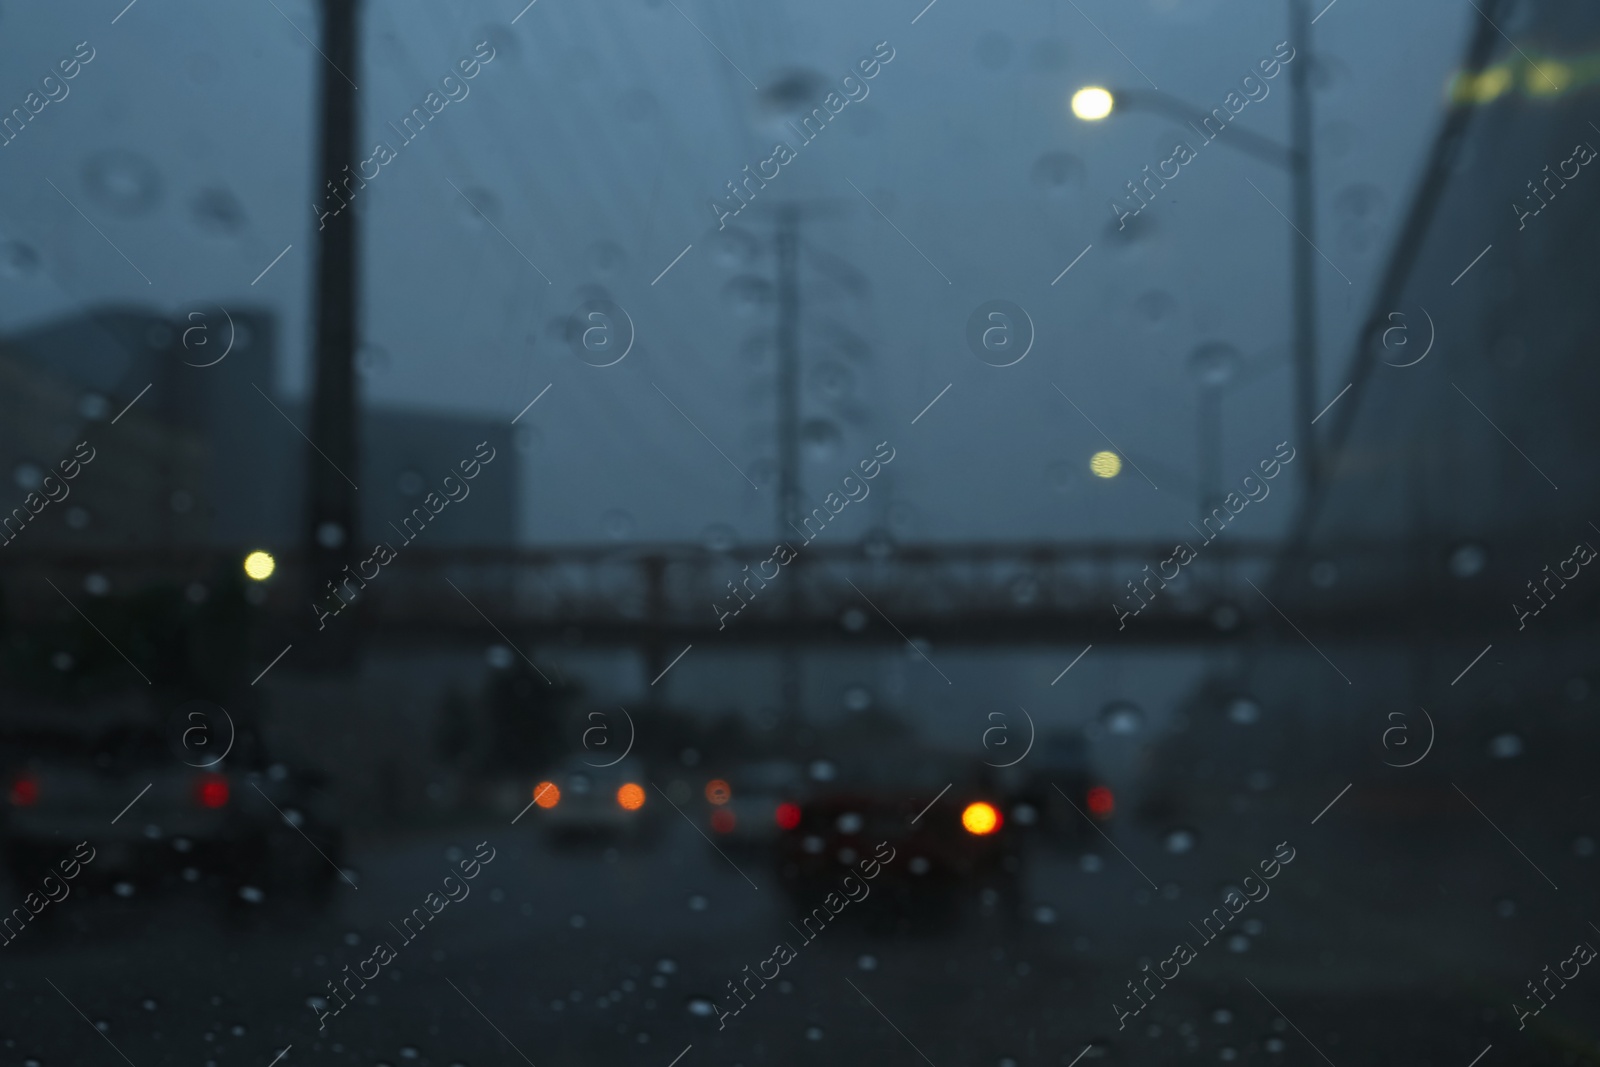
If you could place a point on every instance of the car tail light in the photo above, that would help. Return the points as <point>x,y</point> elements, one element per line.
<point>723,821</point>
<point>24,791</point>
<point>211,791</point>
<point>631,796</point>
<point>788,816</point>
<point>980,818</point>
<point>1100,801</point>
<point>718,791</point>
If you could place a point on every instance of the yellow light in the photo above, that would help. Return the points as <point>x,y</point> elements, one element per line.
<point>546,795</point>
<point>259,566</point>
<point>718,791</point>
<point>980,818</point>
<point>631,796</point>
<point>1548,78</point>
<point>1092,103</point>
<point>1105,464</point>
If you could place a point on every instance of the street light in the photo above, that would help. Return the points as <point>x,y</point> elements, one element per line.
<point>1097,103</point>
<point>1092,103</point>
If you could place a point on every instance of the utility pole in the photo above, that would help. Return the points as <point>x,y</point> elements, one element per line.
<point>788,347</point>
<point>332,514</point>
<point>1304,207</point>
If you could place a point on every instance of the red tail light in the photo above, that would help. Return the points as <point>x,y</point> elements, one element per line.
<point>25,791</point>
<point>211,791</point>
<point>1101,802</point>
<point>788,816</point>
<point>722,821</point>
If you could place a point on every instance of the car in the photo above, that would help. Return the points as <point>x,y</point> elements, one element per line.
<point>577,802</point>
<point>742,810</point>
<point>942,819</point>
<point>153,821</point>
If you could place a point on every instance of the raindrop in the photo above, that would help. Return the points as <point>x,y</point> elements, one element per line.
<point>732,248</point>
<point>1468,560</point>
<point>1323,574</point>
<point>920,865</point>
<point>96,584</point>
<point>850,823</point>
<point>822,770</point>
<point>1179,841</point>
<point>148,1004</point>
<point>813,1033</point>
<point>1057,171</point>
<point>477,207</point>
<point>61,661</point>
<point>821,439</point>
<point>1044,915</point>
<point>701,1006</point>
<point>1025,814</point>
<point>1221,1016</point>
<point>1122,718</point>
<point>1089,863</point>
<point>1583,846</point>
<point>698,903</point>
<point>577,922</point>
<point>123,889</point>
<point>1243,711</point>
<point>832,379</point>
<point>607,257</point>
<point>617,524</point>
<point>867,962</point>
<point>373,359</point>
<point>1238,943</point>
<point>1505,746</point>
<point>251,894</point>
<point>1227,1054</point>
<point>498,657</point>
<point>1213,364</point>
<point>747,294</point>
<point>853,619</point>
<point>237,1030</point>
<point>1156,309</point>
<point>18,260</point>
<point>124,182</point>
<point>408,1052</point>
<point>857,698</point>
<point>1505,907</point>
<point>28,476</point>
<point>719,537</point>
<point>1274,1044</point>
<point>217,211</point>
<point>316,1004</point>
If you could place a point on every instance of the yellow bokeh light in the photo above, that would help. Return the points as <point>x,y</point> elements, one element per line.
<point>1105,464</point>
<point>546,795</point>
<point>1092,103</point>
<point>260,565</point>
<point>980,818</point>
<point>1548,78</point>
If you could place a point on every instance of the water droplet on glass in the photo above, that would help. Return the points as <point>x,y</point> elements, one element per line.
<point>1090,863</point>
<point>813,1033</point>
<point>832,379</point>
<point>617,525</point>
<point>920,865</point>
<point>1505,746</point>
<point>719,537</point>
<point>1122,718</point>
<point>148,1004</point>
<point>701,1006</point>
<point>607,257</point>
<point>1044,915</point>
<point>1583,846</point>
<point>577,922</point>
<point>18,260</point>
<point>1505,907</point>
<point>1156,309</point>
<point>867,962</point>
<point>1213,364</point>
<point>498,656</point>
<point>822,770</point>
<point>1323,574</point>
<point>1243,711</point>
<point>1238,943</point>
<point>217,211</point>
<point>1057,172</point>
<point>747,294</point>
<point>123,889</point>
<point>698,903</point>
<point>821,439</point>
<point>1180,840</point>
<point>251,894</point>
<point>1049,54</point>
<point>408,1052</point>
<point>857,698</point>
<point>123,182</point>
<point>1468,560</point>
<point>478,208</point>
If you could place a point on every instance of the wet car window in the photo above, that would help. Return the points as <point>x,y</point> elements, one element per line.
<point>671,532</point>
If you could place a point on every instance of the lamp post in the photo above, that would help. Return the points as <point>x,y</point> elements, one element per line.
<point>1094,104</point>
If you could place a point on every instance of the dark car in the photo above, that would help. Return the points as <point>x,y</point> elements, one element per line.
<point>247,828</point>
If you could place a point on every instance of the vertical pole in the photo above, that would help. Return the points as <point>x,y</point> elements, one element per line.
<point>788,337</point>
<point>331,513</point>
<point>1305,296</point>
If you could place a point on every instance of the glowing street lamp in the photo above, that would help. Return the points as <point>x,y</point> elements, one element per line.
<point>1092,103</point>
<point>259,566</point>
